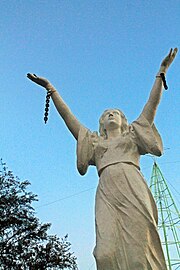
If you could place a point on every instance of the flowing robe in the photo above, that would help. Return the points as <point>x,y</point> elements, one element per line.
<point>125,211</point>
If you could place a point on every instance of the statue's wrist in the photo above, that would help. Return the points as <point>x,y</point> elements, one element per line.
<point>162,76</point>
<point>51,88</point>
<point>163,69</point>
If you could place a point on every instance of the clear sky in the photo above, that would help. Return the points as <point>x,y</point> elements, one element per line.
<point>98,54</point>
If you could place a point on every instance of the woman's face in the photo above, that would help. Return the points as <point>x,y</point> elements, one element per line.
<point>112,119</point>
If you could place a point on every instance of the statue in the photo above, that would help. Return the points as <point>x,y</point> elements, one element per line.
<point>125,211</point>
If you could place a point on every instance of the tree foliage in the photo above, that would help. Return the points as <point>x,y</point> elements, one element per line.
<point>24,241</point>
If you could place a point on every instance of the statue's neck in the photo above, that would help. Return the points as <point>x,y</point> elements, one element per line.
<point>111,134</point>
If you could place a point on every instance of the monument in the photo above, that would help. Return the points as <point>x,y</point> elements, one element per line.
<point>125,212</point>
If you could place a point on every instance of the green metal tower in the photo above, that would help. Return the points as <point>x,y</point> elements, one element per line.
<point>169,218</point>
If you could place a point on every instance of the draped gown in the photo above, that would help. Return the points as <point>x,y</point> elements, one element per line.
<point>125,211</point>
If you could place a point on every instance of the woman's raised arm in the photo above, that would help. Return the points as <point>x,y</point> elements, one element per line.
<point>150,107</point>
<point>71,121</point>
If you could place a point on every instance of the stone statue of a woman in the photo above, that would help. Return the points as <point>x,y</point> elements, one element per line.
<point>125,211</point>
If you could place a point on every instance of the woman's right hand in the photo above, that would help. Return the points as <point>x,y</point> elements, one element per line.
<point>39,80</point>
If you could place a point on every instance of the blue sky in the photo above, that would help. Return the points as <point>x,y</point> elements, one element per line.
<point>98,54</point>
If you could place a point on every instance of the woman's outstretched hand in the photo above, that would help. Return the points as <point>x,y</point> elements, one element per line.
<point>39,80</point>
<point>168,60</point>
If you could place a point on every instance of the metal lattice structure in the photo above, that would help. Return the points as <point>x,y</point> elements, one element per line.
<point>169,218</point>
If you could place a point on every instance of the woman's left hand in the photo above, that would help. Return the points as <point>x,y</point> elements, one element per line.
<point>168,60</point>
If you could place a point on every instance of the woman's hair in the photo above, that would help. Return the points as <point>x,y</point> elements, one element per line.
<point>124,124</point>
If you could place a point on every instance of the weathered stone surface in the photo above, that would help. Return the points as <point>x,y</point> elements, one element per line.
<point>126,214</point>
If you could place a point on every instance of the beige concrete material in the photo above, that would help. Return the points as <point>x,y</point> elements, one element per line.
<point>125,211</point>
